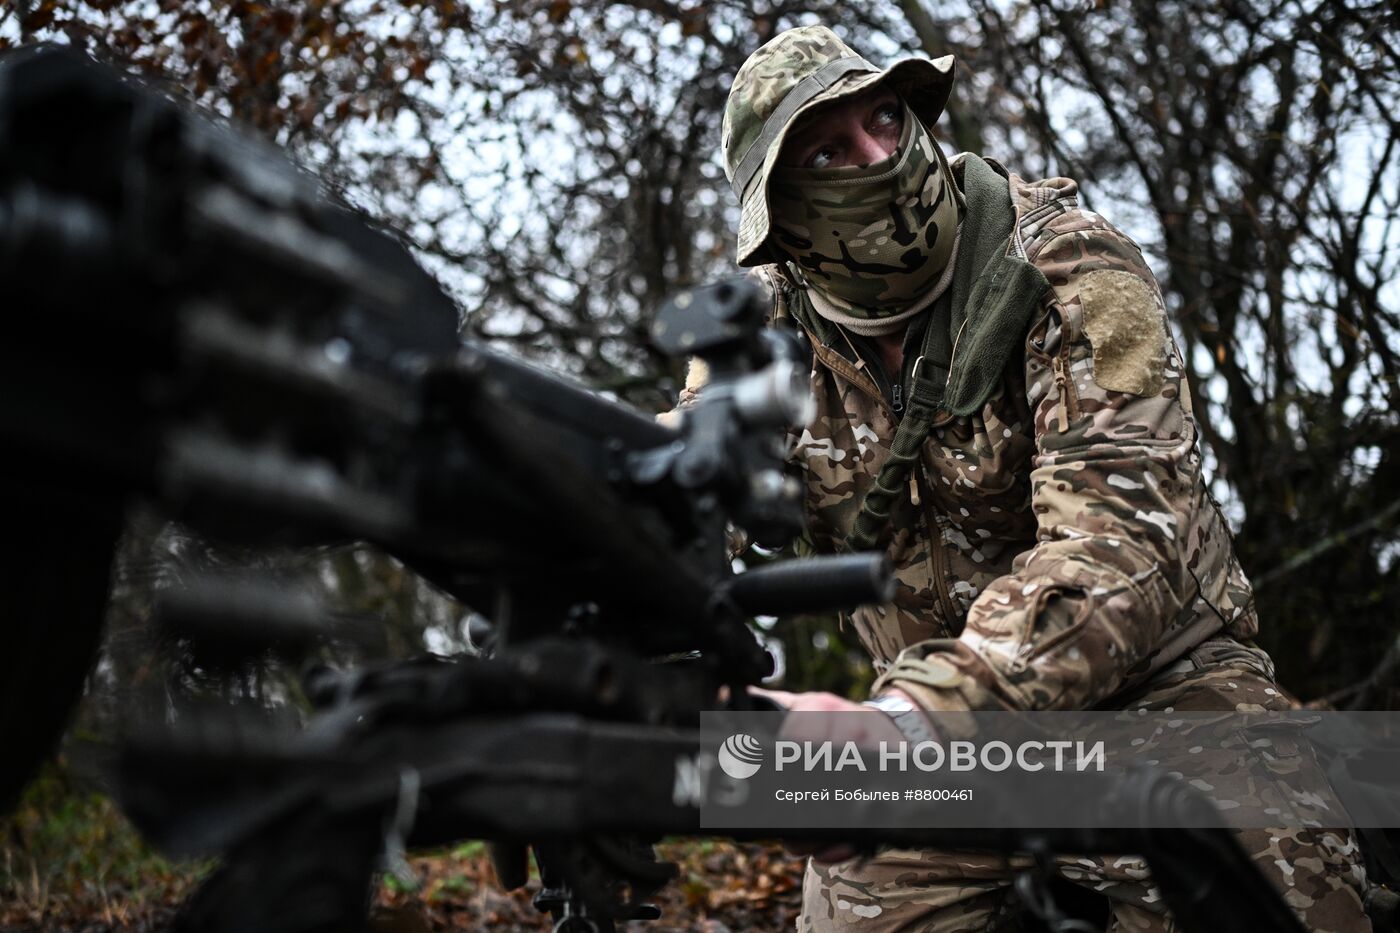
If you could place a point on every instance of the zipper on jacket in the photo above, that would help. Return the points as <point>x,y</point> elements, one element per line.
<point>1065,388</point>
<point>854,370</point>
<point>938,554</point>
<point>889,385</point>
<point>940,583</point>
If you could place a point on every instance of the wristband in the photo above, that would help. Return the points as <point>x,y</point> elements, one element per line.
<point>907,718</point>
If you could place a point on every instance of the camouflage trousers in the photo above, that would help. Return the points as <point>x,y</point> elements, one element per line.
<point>1319,872</point>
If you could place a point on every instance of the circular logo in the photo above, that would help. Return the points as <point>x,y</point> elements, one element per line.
<point>740,756</point>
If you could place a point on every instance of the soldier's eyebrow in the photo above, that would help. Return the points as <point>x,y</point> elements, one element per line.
<point>812,120</point>
<point>802,137</point>
<point>867,99</point>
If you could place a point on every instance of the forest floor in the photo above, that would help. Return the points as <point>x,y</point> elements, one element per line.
<point>70,862</point>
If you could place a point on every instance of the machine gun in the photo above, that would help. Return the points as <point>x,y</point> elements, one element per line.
<point>193,324</point>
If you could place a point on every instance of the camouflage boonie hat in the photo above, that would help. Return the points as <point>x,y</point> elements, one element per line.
<point>789,75</point>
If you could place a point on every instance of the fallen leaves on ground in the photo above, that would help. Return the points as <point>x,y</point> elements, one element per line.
<point>720,886</point>
<point>70,863</point>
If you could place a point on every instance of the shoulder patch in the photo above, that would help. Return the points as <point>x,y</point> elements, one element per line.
<point>1126,326</point>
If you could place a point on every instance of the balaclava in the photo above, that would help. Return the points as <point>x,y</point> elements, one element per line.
<point>870,242</point>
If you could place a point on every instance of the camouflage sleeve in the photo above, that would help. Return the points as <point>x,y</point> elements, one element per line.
<point>1112,486</point>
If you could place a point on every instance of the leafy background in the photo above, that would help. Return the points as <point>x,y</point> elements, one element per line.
<point>555,164</point>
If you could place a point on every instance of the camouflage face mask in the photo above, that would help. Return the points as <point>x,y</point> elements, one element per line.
<point>873,240</point>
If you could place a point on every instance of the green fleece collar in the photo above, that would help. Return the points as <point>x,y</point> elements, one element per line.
<point>994,291</point>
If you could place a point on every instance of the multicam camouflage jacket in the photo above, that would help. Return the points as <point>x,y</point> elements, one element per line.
<point>1059,546</point>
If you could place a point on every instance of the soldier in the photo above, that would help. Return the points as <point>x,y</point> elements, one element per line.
<point>1002,409</point>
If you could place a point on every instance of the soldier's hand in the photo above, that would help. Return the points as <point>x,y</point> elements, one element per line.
<point>868,731</point>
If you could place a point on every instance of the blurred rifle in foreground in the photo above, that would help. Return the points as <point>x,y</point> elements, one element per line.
<point>191,323</point>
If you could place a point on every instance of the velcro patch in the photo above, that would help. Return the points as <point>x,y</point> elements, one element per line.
<point>1127,327</point>
<point>928,671</point>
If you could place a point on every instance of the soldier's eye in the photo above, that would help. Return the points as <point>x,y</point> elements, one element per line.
<point>888,115</point>
<point>822,158</point>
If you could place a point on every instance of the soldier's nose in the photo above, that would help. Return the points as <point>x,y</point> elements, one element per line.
<point>867,149</point>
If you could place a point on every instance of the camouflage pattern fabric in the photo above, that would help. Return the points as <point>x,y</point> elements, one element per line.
<point>870,269</point>
<point>1058,546</point>
<point>1058,549</point>
<point>756,119</point>
<point>1318,872</point>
